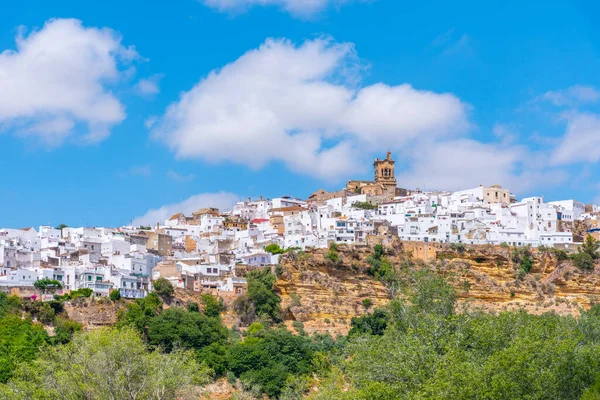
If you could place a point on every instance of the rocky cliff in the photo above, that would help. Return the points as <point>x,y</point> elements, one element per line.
<point>324,294</point>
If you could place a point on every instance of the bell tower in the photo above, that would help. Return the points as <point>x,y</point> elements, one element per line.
<point>384,171</point>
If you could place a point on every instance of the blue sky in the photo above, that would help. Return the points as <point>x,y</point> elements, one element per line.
<point>114,111</point>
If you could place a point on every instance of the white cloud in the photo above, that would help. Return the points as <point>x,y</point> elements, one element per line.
<point>465,163</point>
<point>573,96</point>
<point>149,86</point>
<point>221,200</point>
<point>179,177</point>
<point>303,8</point>
<point>462,44</point>
<point>57,79</point>
<point>581,142</point>
<point>299,105</point>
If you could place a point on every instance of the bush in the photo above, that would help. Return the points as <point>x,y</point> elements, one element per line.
<point>231,378</point>
<point>192,306</point>
<point>561,255</point>
<point>260,301</point>
<point>179,328</point>
<point>105,364</point>
<point>295,300</point>
<point>270,361</point>
<point>212,307</point>
<point>64,329</point>
<point>20,341</point>
<point>590,246</point>
<point>163,288</point>
<point>525,265</point>
<point>332,256</point>
<point>458,247</point>
<point>298,326</point>
<point>583,261</point>
<point>274,248</point>
<point>367,303</point>
<point>371,324</point>
<point>47,284</point>
<point>115,295</point>
<point>363,205</point>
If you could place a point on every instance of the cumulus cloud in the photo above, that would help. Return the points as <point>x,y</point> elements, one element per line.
<point>56,79</point>
<point>149,86</point>
<point>221,200</point>
<point>581,141</point>
<point>573,96</point>
<point>300,105</point>
<point>464,163</point>
<point>301,8</point>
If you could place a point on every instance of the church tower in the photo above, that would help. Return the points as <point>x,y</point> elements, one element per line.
<point>384,171</point>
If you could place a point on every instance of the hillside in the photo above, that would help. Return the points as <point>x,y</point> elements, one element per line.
<point>325,295</point>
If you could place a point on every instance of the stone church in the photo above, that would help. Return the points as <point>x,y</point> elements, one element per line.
<point>384,183</point>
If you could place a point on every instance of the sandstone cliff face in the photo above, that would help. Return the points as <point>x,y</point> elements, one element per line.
<point>92,314</point>
<point>325,295</point>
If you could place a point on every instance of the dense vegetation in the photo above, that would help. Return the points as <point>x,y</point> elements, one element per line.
<point>422,349</point>
<point>417,347</point>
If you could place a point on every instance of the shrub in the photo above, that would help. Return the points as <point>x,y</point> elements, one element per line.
<point>192,306</point>
<point>583,261</point>
<point>371,324</point>
<point>260,300</point>
<point>270,362</point>
<point>295,300</point>
<point>274,248</point>
<point>212,307</point>
<point>163,287</point>
<point>231,378</point>
<point>561,255</point>
<point>590,246</point>
<point>333,256</point>
<point>504,245</point>
<point>179,328</point>
<point>526,264</point>
<point>298,326</point>
<point>64,329</point>
<point>363,205</point>
<point>458,247</point>
<point>115,295</point>
<point>367,303</point>
<point>47,284</point>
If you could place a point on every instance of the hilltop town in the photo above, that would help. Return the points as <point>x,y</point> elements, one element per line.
<point>212,249</point>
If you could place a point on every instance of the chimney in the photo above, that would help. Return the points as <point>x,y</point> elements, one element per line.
<point>249,199</point>
<point>260,198</point>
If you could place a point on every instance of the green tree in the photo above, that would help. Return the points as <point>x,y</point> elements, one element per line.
<point>590,246</point>
<point>105,364</point>
<point>370,324</point>
<point>64,329</point>
<point>274,248</point>
<point>583,261</point>
<point>163,287</point>
<point>20,340</point>
<point>270,362</point>
<point>261,299</point>
<point>139,313</point>
<point>62,226</point>
<point>47,284</point>
<point>115,295</point>
<point>179,328</point>
<point>212,306</point>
